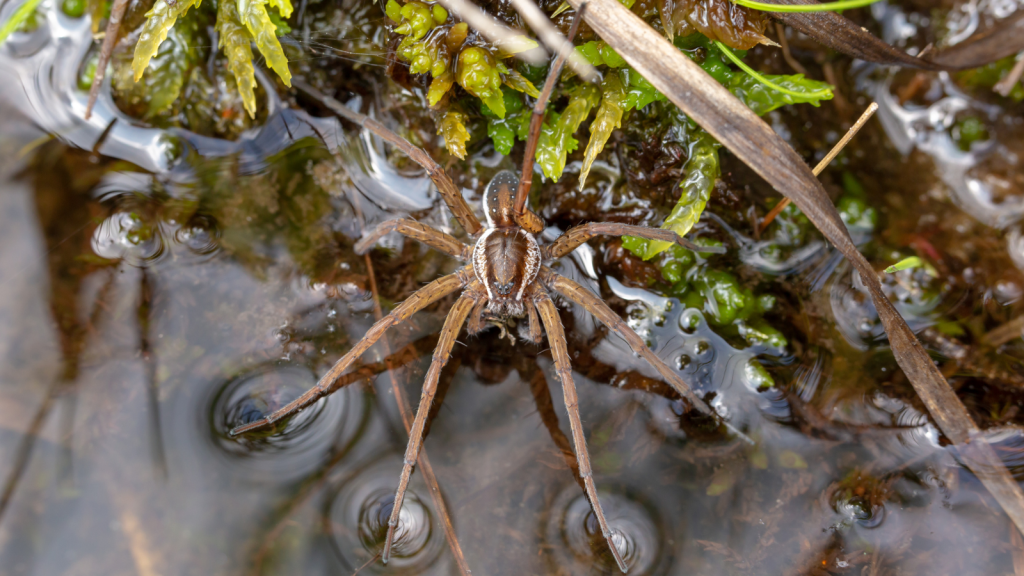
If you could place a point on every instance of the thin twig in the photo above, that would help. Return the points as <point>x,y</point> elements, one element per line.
<point>1007,332</point>
<point>24,452</point>
<point>526,179</point>
<point>145,318</point>
<point>367,563</point>
<point>824,161</point>
<point>1005,86</point>
<point>786,55</point>
<point>554,40</point>
<point>407,417</point>
<point>109,39</point>
<point>496,32</point>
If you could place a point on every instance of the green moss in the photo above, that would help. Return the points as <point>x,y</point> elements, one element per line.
<point>989,75</point>
<point>968,131</point>
<point>556,139</point>
<point>478,73</point>
<point>73,8</point>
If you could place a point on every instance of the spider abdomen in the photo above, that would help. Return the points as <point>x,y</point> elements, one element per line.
<point>506,261</point>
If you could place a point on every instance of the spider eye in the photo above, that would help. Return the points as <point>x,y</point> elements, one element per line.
<point>504,289</point>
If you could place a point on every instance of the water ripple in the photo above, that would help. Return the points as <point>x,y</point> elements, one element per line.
<point>575,539</point>
<point>356,516</point>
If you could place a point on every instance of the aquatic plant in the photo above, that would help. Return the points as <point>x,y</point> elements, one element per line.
<point>238,23</point>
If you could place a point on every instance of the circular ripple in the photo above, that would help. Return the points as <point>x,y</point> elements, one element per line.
<point>293,446</point>
<point>575,539</point>
<point>855,508</point>
<point>125,236</point>
<point>200,236</point>
<point>357,519</point>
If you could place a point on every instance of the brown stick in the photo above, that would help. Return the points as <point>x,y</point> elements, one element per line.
<point>1004,86</point>
<point>526,179</point>
<point>786,54</point>
<point>449,191</point>
<point>109,40</point>
<point>824,162</point>
<point>1007,332</point>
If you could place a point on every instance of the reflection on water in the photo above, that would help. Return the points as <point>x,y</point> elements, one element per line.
<point>295,445</point>
<point>158,288</point>
<point>356,519</point>
<point>577,546</point>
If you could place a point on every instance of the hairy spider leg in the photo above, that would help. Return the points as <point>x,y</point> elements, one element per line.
<point>449,191</point>
<point>560,353</point>
<point>526,178</point>
<point>452,326</point>
<point>436,239</point>
<point>330,381</point>
<point>536,333</point>
<point>591,303</point>
<point>572,239</point>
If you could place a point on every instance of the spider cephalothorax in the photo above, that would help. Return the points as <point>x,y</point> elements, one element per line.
<point>505,277</point>
<point>506,258</point>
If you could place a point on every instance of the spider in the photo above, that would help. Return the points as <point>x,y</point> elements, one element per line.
<point>506,277</point>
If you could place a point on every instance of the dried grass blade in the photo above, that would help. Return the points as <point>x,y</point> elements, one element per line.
<point>841,34</point>
<point>754,142</point>
<point>1004,39</point>
<point>493,30</point>
<point>554,40</point>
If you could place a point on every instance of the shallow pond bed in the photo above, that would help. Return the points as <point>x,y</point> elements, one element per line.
<point>167,277</point>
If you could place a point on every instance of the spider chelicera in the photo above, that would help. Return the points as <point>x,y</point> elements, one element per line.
<point>506,277</point>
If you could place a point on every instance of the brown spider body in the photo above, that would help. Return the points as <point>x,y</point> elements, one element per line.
<point>506,258</point>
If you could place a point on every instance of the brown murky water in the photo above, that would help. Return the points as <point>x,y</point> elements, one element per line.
<point>158,287</point>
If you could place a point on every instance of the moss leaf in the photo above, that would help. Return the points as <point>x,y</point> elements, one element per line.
<point>439,87</point>
<point>702,168</point>
<point>170,68</point>
<point>235,41</point>
<point>253,13</point>
<point>763,99</point>
<point>159,21</point>
<point>478,73</point>
<point>517,81</point>
<point>283,6</point>
<point>792,460</point>
<point>721,481</point>
<point>556,140</point>
<point>453,128</point>
<point>608,118</point>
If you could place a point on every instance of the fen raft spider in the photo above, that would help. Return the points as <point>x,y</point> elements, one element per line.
<point>506,277</point>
